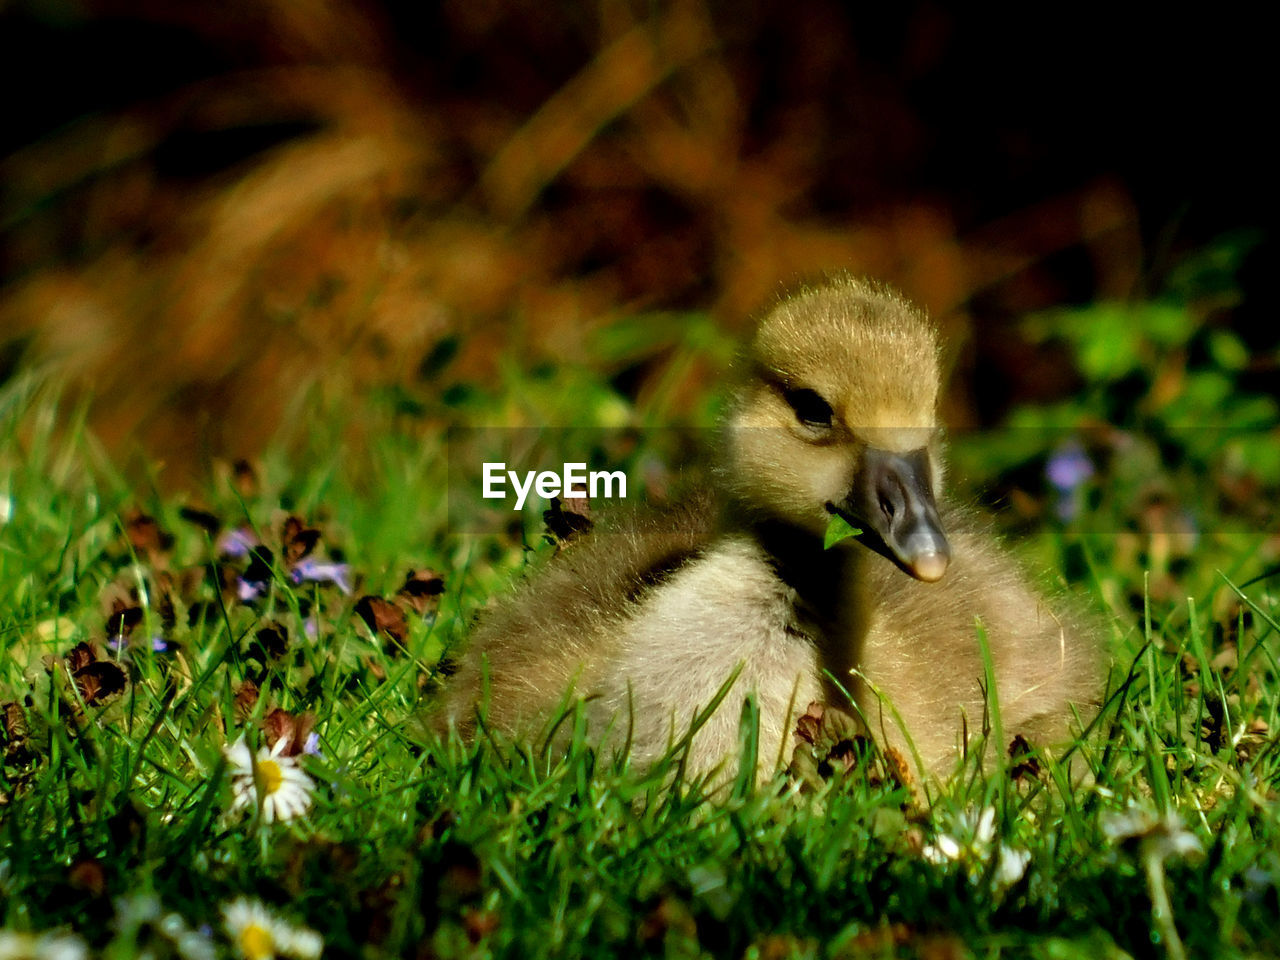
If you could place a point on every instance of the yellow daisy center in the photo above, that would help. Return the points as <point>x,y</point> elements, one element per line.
<point>256,941</point>
<point>270,776</point>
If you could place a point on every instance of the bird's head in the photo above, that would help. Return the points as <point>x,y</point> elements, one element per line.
<point>835,413</point>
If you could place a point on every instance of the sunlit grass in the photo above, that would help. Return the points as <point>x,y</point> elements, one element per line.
<point>419,848</point>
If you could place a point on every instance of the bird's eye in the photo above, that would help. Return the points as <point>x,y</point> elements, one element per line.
<point>811,409</point>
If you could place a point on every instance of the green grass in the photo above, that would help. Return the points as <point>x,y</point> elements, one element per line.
<point>503,849</point>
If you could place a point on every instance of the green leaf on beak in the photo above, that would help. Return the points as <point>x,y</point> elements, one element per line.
<point>838,529</point>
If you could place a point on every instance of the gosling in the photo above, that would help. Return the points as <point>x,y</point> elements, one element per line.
<point>834,412</point>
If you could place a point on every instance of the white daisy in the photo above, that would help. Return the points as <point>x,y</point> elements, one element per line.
<point>41,946</point>
<point>1160,837</point>
<point>973,836</point>
<point>270,779</point>
<point>1011,865</point>
<point>256,934</point>
<point>974,844</point>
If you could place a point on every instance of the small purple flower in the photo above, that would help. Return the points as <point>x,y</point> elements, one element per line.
<point>311,628</point>
<point>236,543</point>
<point>1067,470</point>
<point>158,643</point>
<point>1069,467</point>
<point>317,571</point>
<point>250,590</point>
<point>312,745</point>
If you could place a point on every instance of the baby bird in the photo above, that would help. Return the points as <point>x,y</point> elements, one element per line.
<point>834,413</point>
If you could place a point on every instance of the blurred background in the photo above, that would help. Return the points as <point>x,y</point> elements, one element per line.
<point>219,221</point>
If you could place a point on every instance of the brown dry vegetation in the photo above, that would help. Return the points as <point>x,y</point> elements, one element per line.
<point>505,174</point>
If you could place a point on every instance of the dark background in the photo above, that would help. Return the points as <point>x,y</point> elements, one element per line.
<point>236,199</point>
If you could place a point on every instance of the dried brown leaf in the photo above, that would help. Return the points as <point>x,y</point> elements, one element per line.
<point>206,521</point>
<point>246,699</point>
<point>80,656</point>
<point>13,722</point>
<point>99,681</point>
<point>88,874</point>
<point>899,770</point>
<point>809,724</point>
<point>297,539</point>
<point>293,729</point>
<point>145,535</point>
<point>383,616</point>
<point>1024,765</point>
<point>421,591</point>
<point>273,640</point>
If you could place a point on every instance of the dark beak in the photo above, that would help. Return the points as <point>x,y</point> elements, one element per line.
<point>892,503</point>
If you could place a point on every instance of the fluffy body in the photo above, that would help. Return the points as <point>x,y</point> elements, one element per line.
<point>646,623</point>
